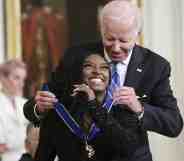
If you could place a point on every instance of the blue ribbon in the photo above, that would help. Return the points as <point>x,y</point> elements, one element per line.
<point>72,124</point>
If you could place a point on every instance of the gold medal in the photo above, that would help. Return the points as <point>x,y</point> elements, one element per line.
<point>90,150</point>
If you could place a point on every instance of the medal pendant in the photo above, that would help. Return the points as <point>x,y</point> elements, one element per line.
<point>90,150</point>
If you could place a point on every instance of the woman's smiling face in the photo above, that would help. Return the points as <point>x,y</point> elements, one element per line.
<point>96,72</point>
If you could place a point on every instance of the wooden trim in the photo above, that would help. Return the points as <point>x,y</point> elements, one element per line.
<point>13,29</point>
<point>140,5</point>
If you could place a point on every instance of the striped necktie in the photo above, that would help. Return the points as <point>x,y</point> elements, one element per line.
<point>115,78</point>
<point>115,82</point>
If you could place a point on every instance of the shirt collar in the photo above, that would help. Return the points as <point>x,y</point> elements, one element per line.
<point>125,62</point>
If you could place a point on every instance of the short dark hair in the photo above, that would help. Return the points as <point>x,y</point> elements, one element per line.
<point>69,70</point>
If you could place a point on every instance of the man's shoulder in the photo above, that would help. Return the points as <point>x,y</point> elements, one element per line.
<point>152,55</point>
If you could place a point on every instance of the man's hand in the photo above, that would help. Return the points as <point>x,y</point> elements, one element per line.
<point>45,101</point>
<point>127,96</point>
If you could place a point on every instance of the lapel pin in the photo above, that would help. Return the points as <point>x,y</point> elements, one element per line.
<point>144,96</point>
<point>139,70</point>
<point>140,97</point>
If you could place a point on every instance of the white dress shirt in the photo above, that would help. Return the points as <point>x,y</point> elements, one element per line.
<point>12,127</point>
<point>121,66</point>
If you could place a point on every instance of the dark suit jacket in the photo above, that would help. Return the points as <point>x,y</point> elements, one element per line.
<point>148,73</point>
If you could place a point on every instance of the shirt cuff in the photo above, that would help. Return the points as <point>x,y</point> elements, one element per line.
<point>140,114</point>
<point>37,115</point>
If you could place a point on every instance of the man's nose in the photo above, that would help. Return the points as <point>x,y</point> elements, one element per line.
<point>116,46</point>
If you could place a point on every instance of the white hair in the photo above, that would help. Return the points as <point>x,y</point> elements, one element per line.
<point>121,11</point>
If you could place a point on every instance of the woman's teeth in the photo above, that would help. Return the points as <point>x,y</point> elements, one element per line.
<point>96,80</point>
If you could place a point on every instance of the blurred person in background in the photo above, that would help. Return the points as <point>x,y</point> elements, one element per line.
<point>12,121</point>
<point>31,142</point>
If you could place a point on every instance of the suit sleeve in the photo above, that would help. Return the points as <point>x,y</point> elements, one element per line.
<point>161,113</point>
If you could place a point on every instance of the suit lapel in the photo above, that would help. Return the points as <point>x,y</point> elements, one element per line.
<point>135,69</point>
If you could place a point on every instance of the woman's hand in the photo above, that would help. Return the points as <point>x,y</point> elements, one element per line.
<point>85,89</point>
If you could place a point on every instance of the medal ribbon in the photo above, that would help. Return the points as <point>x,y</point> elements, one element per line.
<point>74,127</point>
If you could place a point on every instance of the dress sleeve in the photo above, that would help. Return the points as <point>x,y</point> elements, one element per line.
<point>29,112</point>
<point>123,140</point>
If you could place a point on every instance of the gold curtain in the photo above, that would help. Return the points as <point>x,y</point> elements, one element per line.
<point>140,5</point>
<point>13,29</point>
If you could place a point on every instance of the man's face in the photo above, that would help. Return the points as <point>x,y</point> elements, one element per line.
<point>96,73</point>
<point>118,39</point>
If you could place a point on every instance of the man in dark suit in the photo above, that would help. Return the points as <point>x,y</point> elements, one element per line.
<point>144,77</point>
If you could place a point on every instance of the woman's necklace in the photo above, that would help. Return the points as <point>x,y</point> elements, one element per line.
<point>87,125</point>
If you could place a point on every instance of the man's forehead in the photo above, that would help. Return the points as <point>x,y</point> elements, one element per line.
<point>119,9</point>
<point>119,31</point>
<point>119,12</point>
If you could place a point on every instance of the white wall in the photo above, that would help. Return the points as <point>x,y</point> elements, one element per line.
<point>163,33</point>
<point>2,47</point>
